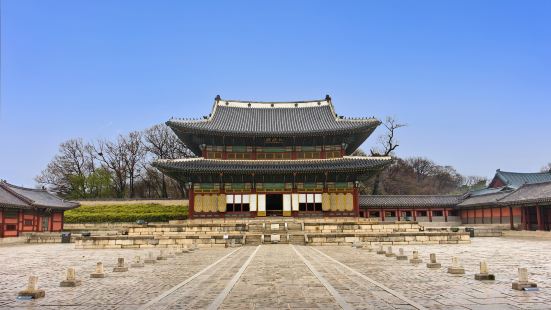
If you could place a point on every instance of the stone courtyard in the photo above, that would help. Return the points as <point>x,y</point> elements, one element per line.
<point>281,276</point>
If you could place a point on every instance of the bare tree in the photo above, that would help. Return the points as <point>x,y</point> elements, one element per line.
<point>68,169</point>
<point>112,156</point>
<point>546,168</point>
<point>134,152</point>
<point>162,143</point>
<point>387,144</point>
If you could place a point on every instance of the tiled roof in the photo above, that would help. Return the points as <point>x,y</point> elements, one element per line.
<point>413,201</point>
<point>352,164</point>
<point>37,197</point>
<point>529,193</point>
<point>274,118</point>
<point>517,179</point>
<point>484,200</point>
<point>489,190</point>
<point>8,199</point>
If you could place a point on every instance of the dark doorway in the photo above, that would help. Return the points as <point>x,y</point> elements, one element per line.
<point>274,205</point>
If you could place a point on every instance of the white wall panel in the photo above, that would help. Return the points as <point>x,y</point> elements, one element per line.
<point>286,202</point>
<point>317,198</point>
<point>294,198</point>
<point>261,202</point>
<point>252,202</point>
<point>229,198</point>
<point>302,198</point>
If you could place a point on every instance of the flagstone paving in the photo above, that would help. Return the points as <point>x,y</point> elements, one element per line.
<point>281,276</point>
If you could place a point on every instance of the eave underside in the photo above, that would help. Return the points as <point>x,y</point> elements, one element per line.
<point>325,170</point>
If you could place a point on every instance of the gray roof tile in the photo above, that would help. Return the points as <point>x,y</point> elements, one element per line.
<point>517,179</point>
<point>529,193</point>
<point>409,201</point>
<point>201,165</point>
<point>280,119</point>
<point>37,197</point>
<point>7,199</point>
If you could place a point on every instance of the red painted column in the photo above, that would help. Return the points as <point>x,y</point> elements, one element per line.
<point>430,215</point>
<point>1,223</point>
<point>445,215</point>
<point>500,215</point>
<point>539,219</point>
<point>191,202</point>
<point>398,214</point>
<point>414,214</point>
<point>511,220</point>
<point>356,202</point>
<point>382,215</point>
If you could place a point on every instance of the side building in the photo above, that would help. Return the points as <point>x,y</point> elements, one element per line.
<point>30,210</point>
<point>273,159</point>
<point>515,200</point>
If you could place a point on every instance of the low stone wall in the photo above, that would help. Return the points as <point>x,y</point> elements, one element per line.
<point>390,239</point>
<point>34,237</point>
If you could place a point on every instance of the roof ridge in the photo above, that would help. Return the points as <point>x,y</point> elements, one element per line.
<point>25,188</point>
<point>8,187</point>
<point>272,160</point>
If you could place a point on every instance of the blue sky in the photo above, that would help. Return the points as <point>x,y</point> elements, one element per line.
<point>470,78</point>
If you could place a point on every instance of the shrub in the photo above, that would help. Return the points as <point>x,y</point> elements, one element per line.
<point>150,212</point>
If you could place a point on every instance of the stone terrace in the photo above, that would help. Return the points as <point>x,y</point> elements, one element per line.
<point>208,233</point>
<point>282,276</point>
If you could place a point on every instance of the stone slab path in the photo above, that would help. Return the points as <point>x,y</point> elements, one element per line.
<point>282,277</point>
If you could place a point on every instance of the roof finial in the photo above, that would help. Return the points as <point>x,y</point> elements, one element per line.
<point>327,98</point>
<point>217,98</point>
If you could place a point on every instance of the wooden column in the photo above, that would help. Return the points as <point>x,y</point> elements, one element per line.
<point>511,220</point>
<point>414,214</point>
<point>522,219</point>
<point>382,215</point>
<point>191,202</point>
<point>500,215</point>
<point>2,223</point>
<point>445,215</point>
<point>356,201</point>
<point>429,211</point>
<point>398,211</point>
<point>539,218</point>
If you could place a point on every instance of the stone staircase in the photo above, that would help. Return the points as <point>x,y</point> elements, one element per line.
<point>318,231</point>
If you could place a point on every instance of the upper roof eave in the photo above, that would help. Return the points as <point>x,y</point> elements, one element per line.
<point>201,165</point>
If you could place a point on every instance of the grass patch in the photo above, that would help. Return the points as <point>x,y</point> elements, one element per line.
<point>149,212</point>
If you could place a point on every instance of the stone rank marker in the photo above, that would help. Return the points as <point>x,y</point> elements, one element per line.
<point>523,284</point>
<point>137,263</point>
<point>380,251</point>
<point>389,252</point>
<point>150,259</point>
<point>456,268</point>
<point>71,280</point>
<point>484,273</point>
<point>170,253</point>
<point>401,255</point>
<point>415,259</point>
<point>162,255</point>
<point>368,247</point>
<point>121,267</point>
<point>99,272</point>
<point>433,264</point>
<point>31,290</point>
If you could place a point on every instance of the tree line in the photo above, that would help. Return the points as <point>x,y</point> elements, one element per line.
<point>116,169</point>
<point>122,168</point>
